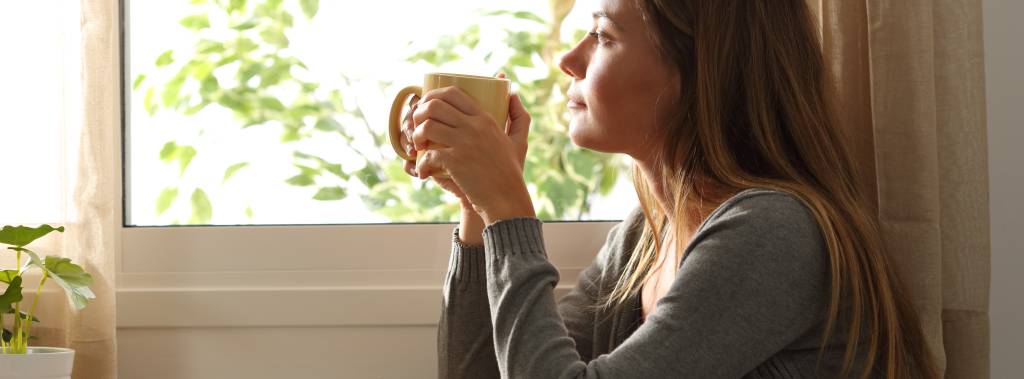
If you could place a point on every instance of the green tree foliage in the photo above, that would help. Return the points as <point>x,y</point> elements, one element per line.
<point>252,48</point>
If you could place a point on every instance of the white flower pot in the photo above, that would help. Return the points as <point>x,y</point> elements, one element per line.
<point>38,363</point>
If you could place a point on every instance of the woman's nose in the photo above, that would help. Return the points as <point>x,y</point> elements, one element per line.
<point>571,65</point>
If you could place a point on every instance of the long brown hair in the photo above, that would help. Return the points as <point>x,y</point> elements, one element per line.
<point>756,110</point>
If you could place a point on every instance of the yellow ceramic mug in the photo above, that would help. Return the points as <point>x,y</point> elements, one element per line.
<point>490,93</point>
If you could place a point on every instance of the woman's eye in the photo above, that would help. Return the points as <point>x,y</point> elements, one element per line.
<point>599,36</point>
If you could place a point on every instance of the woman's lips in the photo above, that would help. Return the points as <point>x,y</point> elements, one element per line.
<point>573,104</point>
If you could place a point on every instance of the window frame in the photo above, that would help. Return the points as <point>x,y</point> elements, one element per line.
<point>210,276</point>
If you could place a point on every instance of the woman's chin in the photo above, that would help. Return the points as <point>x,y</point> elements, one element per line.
<point>580,136</point>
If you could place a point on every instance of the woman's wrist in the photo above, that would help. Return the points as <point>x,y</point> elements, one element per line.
<point>507,210</point>
<point>471,228</point>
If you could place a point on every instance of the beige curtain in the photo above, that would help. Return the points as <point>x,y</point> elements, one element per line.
<point>91,199</point>
<point>910,76</point>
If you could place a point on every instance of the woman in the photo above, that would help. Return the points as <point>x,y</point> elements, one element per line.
<point>750,254</point>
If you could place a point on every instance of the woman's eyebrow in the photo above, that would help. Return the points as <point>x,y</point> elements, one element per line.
<point>604,15</point>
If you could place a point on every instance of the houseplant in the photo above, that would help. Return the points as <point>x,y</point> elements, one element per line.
<point>17,359</point>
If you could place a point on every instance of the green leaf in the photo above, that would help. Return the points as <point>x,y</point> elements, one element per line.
<point>171,90</point>
<point>11,295</point>
<point>202,210</point>
<point>24,316</point>
<point>22,235</point>
<point>368,175</point>
<point>290,135</point>
<point>271,103</point>
<point>196,22</point>
<point>208,87</point>
<point>310,7</point>
<point>201,69</point>
<point>330,193</point>
<point>275,36</point>
<point>278,71</point>
<point>166,198</point>
<point>7,276</point>
<point>524,15</point>
<point>328,124</point>
<point>150,101</point>
<point>69,276</point>
<point>335,169</point>
<point>300,180</point>
<point>138,81</point>
<point>248,24</point>
<point>236,5</point>
<point>169,151</point>
<point>231,170</point>
<point>165,59</point>
<point>185,155</point>
<point>182,153</point>
<point>208,46</point>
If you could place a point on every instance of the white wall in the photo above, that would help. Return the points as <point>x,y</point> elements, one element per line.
<point>1004,80</point>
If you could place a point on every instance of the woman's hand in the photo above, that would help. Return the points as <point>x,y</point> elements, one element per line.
<point>485,163</point>
<point>410,166</point>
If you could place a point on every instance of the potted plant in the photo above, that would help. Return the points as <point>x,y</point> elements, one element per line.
<point>17,359</point>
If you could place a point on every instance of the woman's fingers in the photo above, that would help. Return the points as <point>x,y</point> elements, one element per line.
<point>456,97</point>
<point>429,164</point>
<point>433,131</point>
<point>410,168</point>
<point>440,110</point>
<point>408,125</point>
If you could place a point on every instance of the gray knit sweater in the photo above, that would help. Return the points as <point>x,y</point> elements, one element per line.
<point>748,301</point>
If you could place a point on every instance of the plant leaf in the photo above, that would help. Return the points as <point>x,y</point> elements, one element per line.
<point>7,276</point>
<point>11,295</point>
<point>310,7</point>
<point>150,101</point>
<point>69,276</point>
<point>300,180</point>
<point>165,59</point>
<point>166,198</point>
<point>236,5</point>
<point>24,316</point>
<point>185,155</point>
<point>202,210</point>
<point>22,235</point>
<point>330,193</point>
<point>196,22</point>
<point>231,170</point>
<point>275,36</point>
<point>138,81</point>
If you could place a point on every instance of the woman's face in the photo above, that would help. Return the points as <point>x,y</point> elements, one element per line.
<point>617,81</point>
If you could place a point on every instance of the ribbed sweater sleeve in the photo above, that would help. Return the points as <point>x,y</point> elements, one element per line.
<point>465,345</point>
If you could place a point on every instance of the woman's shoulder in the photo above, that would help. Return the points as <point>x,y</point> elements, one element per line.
<point>765,207</point>
<point>758,209</point>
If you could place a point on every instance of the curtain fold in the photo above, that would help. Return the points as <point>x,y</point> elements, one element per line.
<point>96,198</point>
<point>91,195</point>
<point>910,80</point>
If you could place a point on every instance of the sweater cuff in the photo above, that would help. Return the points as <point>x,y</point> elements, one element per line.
<point>466,264</point>
<point>515,236</point>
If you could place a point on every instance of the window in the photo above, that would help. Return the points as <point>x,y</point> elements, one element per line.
<point>274,112</point>
<point>254,128</point>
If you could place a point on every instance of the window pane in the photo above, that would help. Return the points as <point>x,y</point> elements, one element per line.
<point>275,112</point>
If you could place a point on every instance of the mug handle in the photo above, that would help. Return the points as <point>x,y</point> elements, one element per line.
<point>395,124</point>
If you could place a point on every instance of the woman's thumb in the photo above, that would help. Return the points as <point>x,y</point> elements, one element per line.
<point>518,119</point>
